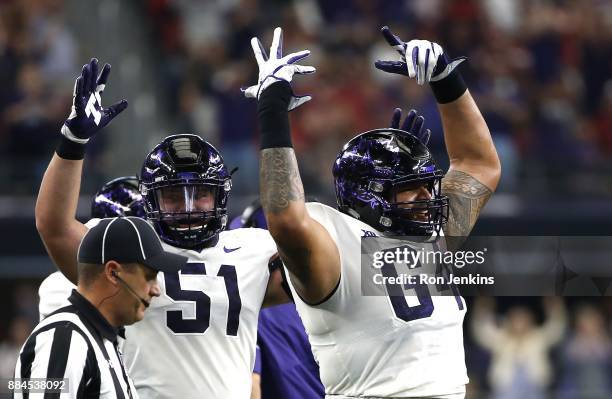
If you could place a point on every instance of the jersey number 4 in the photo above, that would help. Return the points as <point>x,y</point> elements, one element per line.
<point>198,325</point>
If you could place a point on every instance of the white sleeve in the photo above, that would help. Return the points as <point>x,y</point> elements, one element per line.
<point>53,293</point>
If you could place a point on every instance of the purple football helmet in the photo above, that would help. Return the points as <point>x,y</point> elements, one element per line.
<point>118,197</point>
<point>376,165</point>
<point>179,175</point>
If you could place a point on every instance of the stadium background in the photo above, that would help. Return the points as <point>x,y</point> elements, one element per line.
<point>541,72</point>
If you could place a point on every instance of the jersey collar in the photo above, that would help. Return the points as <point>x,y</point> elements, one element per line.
<point>94,317</point>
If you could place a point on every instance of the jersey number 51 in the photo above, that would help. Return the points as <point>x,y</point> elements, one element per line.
<point>198,325</point>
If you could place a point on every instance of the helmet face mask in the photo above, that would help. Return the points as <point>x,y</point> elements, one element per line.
<point>388,179</point>
<point>186,209</point>
<point>419,216</point>
<point>186,187</point>
<point>186,198</point>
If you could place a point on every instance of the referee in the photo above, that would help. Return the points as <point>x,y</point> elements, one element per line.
<point>74,350</point>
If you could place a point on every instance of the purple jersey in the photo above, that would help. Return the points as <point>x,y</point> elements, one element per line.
<point>288,369</point>
<point>257,366</point>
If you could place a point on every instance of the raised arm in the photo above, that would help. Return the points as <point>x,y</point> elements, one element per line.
<point>59,191</point>
<point>55,213</point>
<point>483,326</point>
<point>305,246</point>
<point>555,322</point>
<point>474,166</point>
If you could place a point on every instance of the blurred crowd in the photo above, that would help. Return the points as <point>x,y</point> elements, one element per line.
<point>530,351</point>
<point>38,60</point>
<point>541,72</point>
<point>516,348</point>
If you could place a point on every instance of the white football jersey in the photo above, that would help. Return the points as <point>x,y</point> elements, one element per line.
<point>369,346</point>
<point>197,340</point>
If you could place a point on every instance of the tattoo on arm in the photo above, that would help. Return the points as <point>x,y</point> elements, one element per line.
<point>466,197</point>
<point>280,181</point>
<point>305,248</point>
<point>280,184</point>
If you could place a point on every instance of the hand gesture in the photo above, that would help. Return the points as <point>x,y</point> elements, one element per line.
<point>413,124</point>
<point>420,59</point>
<point>276,68</point>
<point>88,116</point>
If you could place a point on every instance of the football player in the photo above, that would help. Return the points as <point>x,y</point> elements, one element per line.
<point>288,368</point>
<point>387,184</point>
<point>118,197</point>
<point>198,338</point>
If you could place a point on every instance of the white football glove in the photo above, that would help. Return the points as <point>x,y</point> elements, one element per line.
<point>277,68</point>
<point>420,59</point>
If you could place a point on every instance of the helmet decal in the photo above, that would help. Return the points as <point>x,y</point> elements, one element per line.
<point>118,197</point>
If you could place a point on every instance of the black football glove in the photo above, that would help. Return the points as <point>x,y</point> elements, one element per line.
<point>88,116</point>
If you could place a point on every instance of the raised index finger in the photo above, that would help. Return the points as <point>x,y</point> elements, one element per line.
<point>93,74</point>
<point>104,75</point>
<point>276,50</point>
<point>391,38</point>
<point>395,119</point>
<point>409,121</point>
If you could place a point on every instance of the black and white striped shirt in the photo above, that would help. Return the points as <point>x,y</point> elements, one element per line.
<point>77,343</point>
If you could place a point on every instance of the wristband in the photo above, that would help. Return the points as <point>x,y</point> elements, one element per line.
<point>68,149</point>
<point>449,89</point>
<point>274,117</point>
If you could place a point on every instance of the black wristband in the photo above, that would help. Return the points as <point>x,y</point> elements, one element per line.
<point>68,149</point>
<point>274,116</point>
<point>450,88</point>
